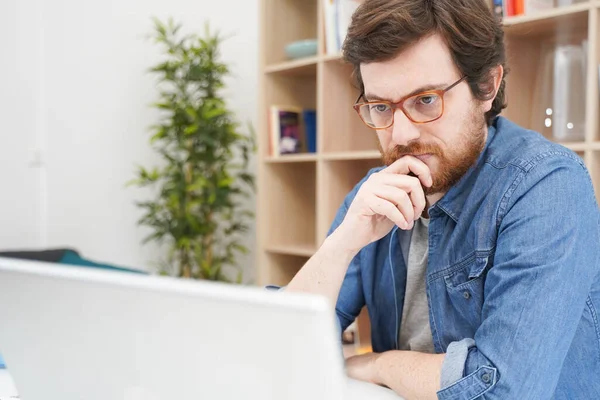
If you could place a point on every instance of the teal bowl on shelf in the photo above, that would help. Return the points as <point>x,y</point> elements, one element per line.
<point>301,49</point>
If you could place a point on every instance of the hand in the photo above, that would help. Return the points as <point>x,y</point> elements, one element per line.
<point>389,197</point>
<point>362,367</point>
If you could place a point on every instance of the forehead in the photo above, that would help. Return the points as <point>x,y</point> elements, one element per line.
<point>425,63</point>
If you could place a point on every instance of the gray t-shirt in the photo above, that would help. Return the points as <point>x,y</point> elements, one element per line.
<point>415,332</point>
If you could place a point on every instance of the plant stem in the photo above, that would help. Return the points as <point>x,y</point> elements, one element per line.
<point>186,268</point>
<point>208,242</point>
<point>186,198</point>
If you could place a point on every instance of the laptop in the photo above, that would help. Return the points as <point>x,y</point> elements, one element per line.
<point>72,333</point>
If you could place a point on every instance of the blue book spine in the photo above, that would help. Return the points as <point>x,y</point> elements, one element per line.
<point>310,127</point>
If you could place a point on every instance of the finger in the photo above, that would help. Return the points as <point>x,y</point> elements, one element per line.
<point>399,198</point>
<point>383,207</point>
<point>408,164</point>
<point>409,184</point>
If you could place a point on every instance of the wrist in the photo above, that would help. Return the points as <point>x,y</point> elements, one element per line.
<point>339,243</point>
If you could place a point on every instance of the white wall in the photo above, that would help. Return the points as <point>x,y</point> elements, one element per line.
<point>95,115</point>
<point>21,198</point>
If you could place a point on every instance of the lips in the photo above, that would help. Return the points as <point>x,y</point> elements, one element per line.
<point>423,157</point>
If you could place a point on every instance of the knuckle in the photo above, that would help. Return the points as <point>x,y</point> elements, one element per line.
<point>402,195</point>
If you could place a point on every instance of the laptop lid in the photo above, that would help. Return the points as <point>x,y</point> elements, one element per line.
<point>74,333</point>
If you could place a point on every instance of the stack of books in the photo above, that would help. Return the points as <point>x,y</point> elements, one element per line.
<point>292,130</point>
<point>511,8</point>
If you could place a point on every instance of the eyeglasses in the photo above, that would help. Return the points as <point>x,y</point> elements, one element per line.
<point>420,108</point>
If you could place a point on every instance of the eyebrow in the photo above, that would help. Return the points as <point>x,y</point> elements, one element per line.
<point>425,88</point>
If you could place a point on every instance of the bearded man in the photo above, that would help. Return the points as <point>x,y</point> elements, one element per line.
<point>476,248</point>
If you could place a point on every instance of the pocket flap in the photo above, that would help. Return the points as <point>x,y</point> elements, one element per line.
<point>478,267</point>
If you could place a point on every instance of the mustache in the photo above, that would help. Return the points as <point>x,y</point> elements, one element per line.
<point>412,148</point>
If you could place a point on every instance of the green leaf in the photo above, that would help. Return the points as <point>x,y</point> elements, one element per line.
<point>247,178</point>
<point>190,130</point>
<point>225,182</point>
<point>191,112</point>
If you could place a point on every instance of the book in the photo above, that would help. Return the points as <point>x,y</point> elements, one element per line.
<point>337,16</point>
<point>292,130</point>
<point>343,17</point>
<point>310,130</point>
<point>329,26</point>
<point>509,8</point>
<point>519,7</point>
<point>286,129</point>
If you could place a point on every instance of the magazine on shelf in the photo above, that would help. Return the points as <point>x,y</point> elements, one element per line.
<point>292,130</point>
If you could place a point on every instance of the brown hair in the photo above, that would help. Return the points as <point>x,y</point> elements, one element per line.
<point>381,29</point>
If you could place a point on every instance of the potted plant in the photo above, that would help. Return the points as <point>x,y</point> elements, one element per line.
<point>203,179</point>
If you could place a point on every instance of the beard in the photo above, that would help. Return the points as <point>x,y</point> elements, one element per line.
<point>454,163</point>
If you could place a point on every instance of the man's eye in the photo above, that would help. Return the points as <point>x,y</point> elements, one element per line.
<point>380,108</point>
<point>427,100</point>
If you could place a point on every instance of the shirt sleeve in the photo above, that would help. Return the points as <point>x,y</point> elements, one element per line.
<point>351,298</point>
<point>545,261</point>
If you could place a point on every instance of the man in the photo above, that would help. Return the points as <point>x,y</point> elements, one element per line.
<point>475,249</point>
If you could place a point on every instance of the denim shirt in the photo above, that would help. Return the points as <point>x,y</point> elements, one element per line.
<point>513,282</point>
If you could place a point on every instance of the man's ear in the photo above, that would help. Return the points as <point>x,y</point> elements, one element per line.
<point>492,86</point>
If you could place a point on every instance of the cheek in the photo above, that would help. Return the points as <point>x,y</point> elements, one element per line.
<point>449,130</point>
<point>437,132</point>
<point>385,138</point>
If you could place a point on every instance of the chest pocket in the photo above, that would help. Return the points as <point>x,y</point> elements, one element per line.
<point>464,287</point>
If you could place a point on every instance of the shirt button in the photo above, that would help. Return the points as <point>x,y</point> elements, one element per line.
<point>466,295</point>
<point>485,378</point>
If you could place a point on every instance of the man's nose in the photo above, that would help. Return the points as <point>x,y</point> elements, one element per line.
<point>403,130</point>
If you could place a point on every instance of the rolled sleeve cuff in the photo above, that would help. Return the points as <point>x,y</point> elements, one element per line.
<point>455,386</point>
<point>454,362</point>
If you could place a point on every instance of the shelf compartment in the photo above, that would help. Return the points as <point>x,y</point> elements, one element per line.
<point>279,269</point>
<point>285,90</point>
<point>287,21</point>
<point>338,178</point>
<point>341,126</point>
<point>290,211</point>
<point>291,90</point>
<point>530,86</point>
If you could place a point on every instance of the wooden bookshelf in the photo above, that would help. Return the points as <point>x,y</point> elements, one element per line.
<point>298,195</point>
